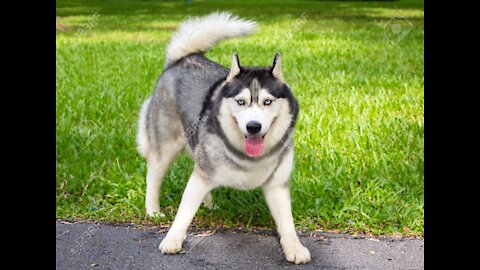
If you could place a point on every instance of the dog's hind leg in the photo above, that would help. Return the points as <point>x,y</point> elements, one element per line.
<point>155,170</point>
<point>157,165</point>
<point>160,138</point>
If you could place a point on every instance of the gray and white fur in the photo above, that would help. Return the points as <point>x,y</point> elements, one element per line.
<point>237,124</point>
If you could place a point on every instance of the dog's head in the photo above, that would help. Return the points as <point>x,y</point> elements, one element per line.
<point>257,109</point>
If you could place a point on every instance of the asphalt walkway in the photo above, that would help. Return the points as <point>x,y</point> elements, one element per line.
<point>97,246</point>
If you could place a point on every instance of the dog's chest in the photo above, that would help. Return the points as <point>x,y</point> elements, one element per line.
<point>247,176</point>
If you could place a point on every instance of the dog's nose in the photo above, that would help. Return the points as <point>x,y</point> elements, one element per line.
<point>253,127</point>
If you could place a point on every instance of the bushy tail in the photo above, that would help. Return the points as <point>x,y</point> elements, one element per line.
<point>200,34</point>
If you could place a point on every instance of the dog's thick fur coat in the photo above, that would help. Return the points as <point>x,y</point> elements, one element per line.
<point>237,123</point>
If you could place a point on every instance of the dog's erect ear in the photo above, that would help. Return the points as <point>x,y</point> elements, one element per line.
<point>235,69</point>
<point>277,67</point>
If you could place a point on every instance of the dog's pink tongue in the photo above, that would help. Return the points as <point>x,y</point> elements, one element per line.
<point>253,146</point>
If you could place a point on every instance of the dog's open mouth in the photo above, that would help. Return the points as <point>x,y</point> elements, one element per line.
<point>253,145</point>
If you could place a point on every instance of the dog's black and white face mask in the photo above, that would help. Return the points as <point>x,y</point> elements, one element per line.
<point>257,107</point>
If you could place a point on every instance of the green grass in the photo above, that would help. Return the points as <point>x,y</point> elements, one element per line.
<point>360,134</point>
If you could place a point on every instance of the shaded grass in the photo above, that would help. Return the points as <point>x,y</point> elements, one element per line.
<point>359,139</point>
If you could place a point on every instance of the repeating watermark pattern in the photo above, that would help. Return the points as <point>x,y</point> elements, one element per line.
<point>299,22</point>
<point>85,28</point>
<point>189,132</point>
<point>193,128</point>
<point>83,239</point>
<point>192,241</point>
<point>396,29</point>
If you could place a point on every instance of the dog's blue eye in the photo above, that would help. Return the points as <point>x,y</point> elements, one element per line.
<point>267,102</point>
<point>241,102</point>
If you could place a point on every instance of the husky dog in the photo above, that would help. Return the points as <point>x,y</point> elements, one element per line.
<point>237,123</point>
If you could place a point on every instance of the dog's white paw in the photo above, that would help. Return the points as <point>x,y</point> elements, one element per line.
<point>171,245</point>
<point>155,214</point>
<point>153,210</point>
<point>152,213</point>
<point>296,253</point>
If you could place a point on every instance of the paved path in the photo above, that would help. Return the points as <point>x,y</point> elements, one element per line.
<point>96,246</point>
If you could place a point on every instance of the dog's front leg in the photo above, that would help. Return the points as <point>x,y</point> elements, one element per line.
<point>197,188</point>
<point>277,195</point>
<point>278,200</point>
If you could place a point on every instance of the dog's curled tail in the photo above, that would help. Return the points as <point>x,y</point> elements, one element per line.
<point>200,34</point>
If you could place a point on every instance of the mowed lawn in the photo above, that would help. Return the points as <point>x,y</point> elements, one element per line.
<point>359,162</point>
